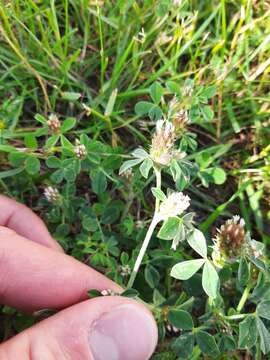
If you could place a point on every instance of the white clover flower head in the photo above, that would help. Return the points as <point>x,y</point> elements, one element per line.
<point>125,270</point>
<point>52,194</point>
<point>175,204</point>
<point>127,175</point>
<point>53,123</point>
<point>108,292</point>
<point>80,150</point>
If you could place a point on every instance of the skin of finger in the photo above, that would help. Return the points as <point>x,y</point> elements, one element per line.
<point>34,277</point>
<point>66,334</point>
<point>25,222</point>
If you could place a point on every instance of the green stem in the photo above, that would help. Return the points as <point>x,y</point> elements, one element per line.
<point>243,299</point>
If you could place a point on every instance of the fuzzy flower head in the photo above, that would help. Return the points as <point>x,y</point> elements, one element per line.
<point>54,124</point>
<point>52,194</point>
<point>180,121</point>
<point>125,270</point>
<point>175,204</point>
<point>231,241</point>
<point>80,150</point>
<point>127,175</point>
<point>162,147</point>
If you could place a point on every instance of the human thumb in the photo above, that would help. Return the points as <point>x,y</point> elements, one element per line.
<point>104,328</point>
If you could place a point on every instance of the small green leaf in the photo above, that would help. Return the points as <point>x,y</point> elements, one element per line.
<point>158,194</point>
<point>264,336</point>
<point>110,215</point>
<point>175,170</point>
<point>66,144</point>
<point>99,183</point>
<point>53,162</point>
<point>155,113</point>
<point>207,113</point>
<point>140,153</point>
<point>32,165</point>
<point>227,343</point>
<point>183,345</point>
<point>152,276</point>
<point>94,293</point>
<point>181,319</point>
<point>209,91</point>
<point>69,173</point>
<point>247,333</point>
<point>243,272</point>
<point>40,118</point>
<point>130,293</point>
<point>215,174</point>
<point>51,141</point>
<point>128,165</point>
<point>89,223</point>
<point>143,107</point>
<point>57,176</point>
<point>184,270</point>
<point>68,124</point>
<point>169,229</point>
<point>145,167</point>
<point>210,280</point>
<point>263,309</point>
<point>30,141</point>
<point>197,241</point>
<point>207,343</point>
<point>156,92</point>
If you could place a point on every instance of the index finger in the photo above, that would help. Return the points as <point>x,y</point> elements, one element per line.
<point>25,222</point>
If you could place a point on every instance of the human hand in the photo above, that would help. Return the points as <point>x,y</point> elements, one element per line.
<point>36,274</point>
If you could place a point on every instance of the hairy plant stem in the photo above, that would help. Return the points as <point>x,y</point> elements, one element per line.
<point>243,299</point>
<point>148,235</point>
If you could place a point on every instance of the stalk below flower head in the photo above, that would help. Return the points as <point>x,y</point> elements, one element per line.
<point>162,147</point>
<point>175,204</point>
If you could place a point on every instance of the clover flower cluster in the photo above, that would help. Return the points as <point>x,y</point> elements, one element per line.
<point>108,292</point>
<point>127,175</point>
<point>54,124</point>
<point>175,204</point>
<point>80,150</point>
<point>180,120</point>
<point>52,194</point>
<point>162,148</point>
<point>232,241</point>
<point>125,270</point>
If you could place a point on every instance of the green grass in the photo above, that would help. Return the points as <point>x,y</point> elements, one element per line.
<point>93,62</point>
